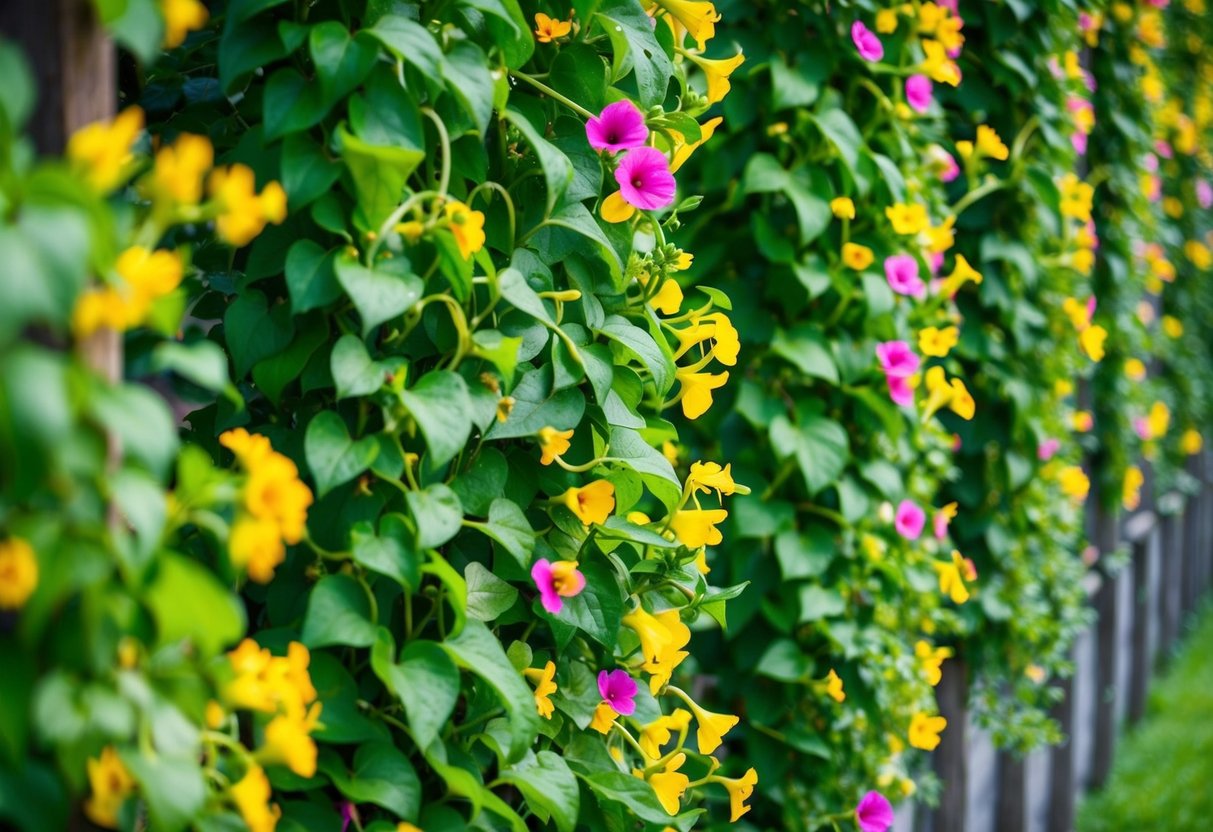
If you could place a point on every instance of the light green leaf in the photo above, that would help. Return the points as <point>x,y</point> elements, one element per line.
<point>439,402</point>
<point>426,681</point>
<point>378,295</point>
<point>488,595</point>
<point>187,601</point>
<point>556,167</point>
<point>338,612</point>
<point>805,347</point>
<point>437,512</point>
<point>381,775</point>
<point>549,787</point>
<point>641,344</point>
<point>333,457</point>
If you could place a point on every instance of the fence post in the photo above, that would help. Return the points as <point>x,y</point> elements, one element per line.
<point>1012,812</point>
<point>1107,607</point>
<point>1170,590</point>
<point>1139,530</point>
<point>952,757</point>
<point>1061,763</point>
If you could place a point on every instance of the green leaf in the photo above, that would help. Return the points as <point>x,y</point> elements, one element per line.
<point>513,287</point>
<point>488,595</point>
<point>635,45</point>
<point>202,362</point>
<point>439,402</point>
<point>509,527</point>
<point>805,347</point>
<point>333,457</point>
<point>841,132</point>
<point>785,662</point>
<point>478,650</point>
<point>643,346</point>
<point>310,278</point>
<point>379,173</point>
<point>341,61</point>
<point>254,332</point>
<point>556,167</point>
<point>378,295</point>
<point>141,421</point>
<point>819,444</point>
<point>817,602</point>
<point>480,484</point>
<point>187,601</point>
<point>307,172</point>
<point>764,174</point>
<point>636,794</point>
<point>598,608</point>
<point>354,373</point>
<point>381,775</point>
<point>291,104</point>
<point>388,553</point>
<point>549,787</point>
<point>338,612</point>
<point>426,681</point>
<point>508,28</point>
<point>173,789</point>
<point>580,73</point>
<point>409,41</point>
<point>498,349</point>
<point>468,78</point>
<point>438,514</point>
<point>576,217</point>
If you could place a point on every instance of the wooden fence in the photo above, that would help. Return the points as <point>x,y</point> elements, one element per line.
<point>1141,613</point>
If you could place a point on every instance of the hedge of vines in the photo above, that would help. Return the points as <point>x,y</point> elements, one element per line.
<point>608,417</point>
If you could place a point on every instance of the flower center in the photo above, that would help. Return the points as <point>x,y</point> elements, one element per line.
<point>637,182</point>
<point>612,138</point>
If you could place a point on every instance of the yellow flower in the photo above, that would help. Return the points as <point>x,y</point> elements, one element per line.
<point>1198,253</point>
<point>939,391</point>
<point>1074,482</point>
<point>843,207</point>
<point>110,784</point>
<point>1131,488</point>
<point>255,545</point>
<point>466,225</point>
<point>547,29</point>
<point>938,66</point>
<point>952,577</point>
<point>936,342</point>
<point>1135,369</point>
<point>857,257</point>
<point>545,686</point>
<point>907,219</point>
<point>1191,442</point>
<point>697,527</point>
<point>717,72</point>
<point>592,503</point>
<point>669,450</point>
<point>682,150</point>
<point>249,448</point>
<point>103,149</point>
<point>989,144</point>
<point>886,21</point>
<point>697,391</point>
<point>662,637</point>
<point>1159,419</point>
<point>962,403</point>
<point>214,715</point>
<point>1082,420</point>
<point>242,212</point>
<point>931,659</point>
<point>604,718</point>
<point>739,790</point>
<point>251,796</point>
<point>411,231</point>
<point>1076,198</point>
<point>658,732</point>
<point>669,784</point>
<point>180,18</point>
<point>712,727</point>
<point>1092,340</point>
<point>834,686</point>
<point>924,731</point>
<point>615,209</point>
<point>268,683</point>
<point>726,341</point>
<point>698,17</point>
<point>275,493</point>
<point>1172,326</point>
<point>709,476</point>
<point>930,15</point>
<point>179,168</point>
<point>18,573</point>
<point>668,299</point>
<point>1077,312</point>
<point>553,443</point>
<point>1035,672</point>
<point>962,273</point>
<point>288,741</point>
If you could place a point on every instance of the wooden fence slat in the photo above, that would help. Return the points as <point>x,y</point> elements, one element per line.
<point>1012,814</point>
<point>1107,607</point>
<point>951,757</point>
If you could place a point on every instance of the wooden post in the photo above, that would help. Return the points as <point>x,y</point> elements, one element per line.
<point>1107,607</point>
<point>952,756</point>
<point>1061,764</point>
<point>1012,813</point>
<point>1171,587</point>
<point>1139,530</point>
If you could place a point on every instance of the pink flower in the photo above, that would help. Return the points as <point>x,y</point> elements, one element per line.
<point>1046,449</point>
<point>909,519</point>
<point>918,92</point>
<point>618,690</point>
<point>951,5</point>
<point>1142,428</point>
<point>1091,306</point>
<point>939,524</point>
<point>900,391</point>
<point>1095,236</point>
<point>1163,149</point>
<point>935,261</point>
<point>1204,193</point>
<point>874,813</point>
<point>897,359</point>
<point>943,163</point>
<point>620,126</point>
<point>901,270</point>
<point>1079,142</point>
<point>1150,162</point>
<point>644,178</point>
<point>556,581</point>
<point>869,46</point>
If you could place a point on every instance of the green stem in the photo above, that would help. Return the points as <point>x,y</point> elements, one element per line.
<point>548,91</point>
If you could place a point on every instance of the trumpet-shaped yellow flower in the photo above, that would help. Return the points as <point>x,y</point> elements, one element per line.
<point>592,503</point>
<point>668,299</point>
<point>717,73</point>
<point>252,798</point>
<point>670,784</point>
<point>615,209</point>
<point>989,144</point>
<point>553,443</point>
<point>709,476</point>
<point>1135,369</point>
<point>658,732</point>
<point>103,149</point>
<point>1074,482</point>
<point>842,207</point>
<point>834,687</point>
<point>1199,254</point>
<point>1191,442</point>
<point>180,18</point>
<point>886,21</point>
<point>662,637</point>
<point>1092,340</point>
<point>726,341</point>
<point>697,391</point>
<point>145,277</point>
<point>179,168</point>
<point>288,741</point>
<point>604,718</point>
<point>1158,420</point>
<point>936,342</point>
<point>547,29</point>
<point>545,686</point>
<point>938,66</point>
<point>1172,327</point>
<point>243,213</point>
<point>962,273</point>
<point>682,149</point>
<point>1076,198</point>
<point>697,527</point>
<point>466,225</point>
<point>931,660</point>
<point>698,17</point>
<point>962,403</point>
<point>739,789</point>
<point>18,573</point>
<point>1131,488</point>
<point>857,257</point>
<point>110,784</point>
<point>939,391</point>
<point>952,577</point>
<point>712,727</point>
<point>1077,312</point>
<point>256,546</point>
<point>908,219</point>
<point>925,730</point>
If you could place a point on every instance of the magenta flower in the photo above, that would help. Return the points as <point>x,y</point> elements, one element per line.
<point>618,690</point>
<point>1091,306</point>
<point>918,92</point>
<point>909,519</point>
<point>897,359</point>
<point>869,46</point>
<point>1141,427</point>
<point>1095,236</point>
<point>1163,149</point>
<point>1047,449</point>
<point>1204,193</point>
<point>900,391</point>
<point>556,581</point>
<point>620,126</point>
<point>874,813</point>
<point>935,262</point>
<point>901,270</point>
<point>644,179</point>
<point>943,163</point>
<point>940,523</point>
<point>1079,142</point>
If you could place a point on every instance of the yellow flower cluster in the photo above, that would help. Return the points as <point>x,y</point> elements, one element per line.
<point>942,392</point>
<point>724,343</point>
<point>243,213</point>
<point>1091,337</point>
<point>141,277</point>
<point>110,784</point>
<point>18,573</point>
<point>274,503</point>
